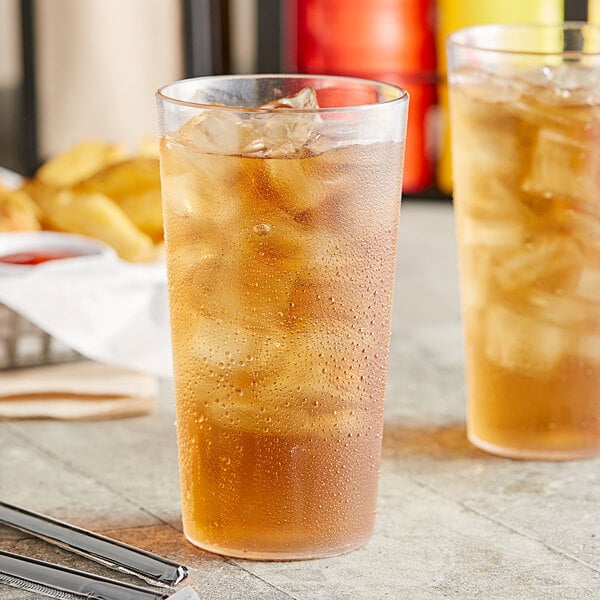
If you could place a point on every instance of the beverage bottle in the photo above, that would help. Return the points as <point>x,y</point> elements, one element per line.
<point>593,9</point>
<point>387,40</point>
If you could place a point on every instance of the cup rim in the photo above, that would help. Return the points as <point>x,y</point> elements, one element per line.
<point>402,97</point>
<point>459,38</point>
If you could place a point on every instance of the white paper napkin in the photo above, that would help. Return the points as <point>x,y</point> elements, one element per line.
<point>80,390</point>
<point>107,309</point>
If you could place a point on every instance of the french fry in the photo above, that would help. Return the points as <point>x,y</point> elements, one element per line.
<point>134,184</point>
<point>77,163</point>
<point>36,190</point>
<point>145,210</point>
<point>18,212</point>
<point>95,215</point>
<point>93,190</point>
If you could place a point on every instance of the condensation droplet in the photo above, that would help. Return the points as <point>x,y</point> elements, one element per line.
<point>261,229</point>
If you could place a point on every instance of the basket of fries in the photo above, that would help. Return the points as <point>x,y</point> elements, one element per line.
<point>95,190</point>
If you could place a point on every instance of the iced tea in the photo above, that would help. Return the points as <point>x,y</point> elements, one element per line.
<point>281,270</point>
<point>526,152</point>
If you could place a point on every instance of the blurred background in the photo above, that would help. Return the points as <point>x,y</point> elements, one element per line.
<point>88,69</point>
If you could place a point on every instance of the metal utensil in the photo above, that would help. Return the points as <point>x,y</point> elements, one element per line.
<point>106,551</point>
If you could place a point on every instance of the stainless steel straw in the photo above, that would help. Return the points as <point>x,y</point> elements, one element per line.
<point>108,552</point>
<point>62,582</point>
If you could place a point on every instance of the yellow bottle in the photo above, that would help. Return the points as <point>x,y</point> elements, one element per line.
<point>457,14</point>
<point>594,12</point>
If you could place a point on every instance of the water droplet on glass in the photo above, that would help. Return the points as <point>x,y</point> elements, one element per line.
<point>261,229</point>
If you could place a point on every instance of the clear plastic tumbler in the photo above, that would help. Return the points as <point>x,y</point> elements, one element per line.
<point>281,202</point>
<point>525,127</point>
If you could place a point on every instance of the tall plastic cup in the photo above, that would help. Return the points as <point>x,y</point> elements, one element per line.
<point>525,123</point>
<point>281,202</point>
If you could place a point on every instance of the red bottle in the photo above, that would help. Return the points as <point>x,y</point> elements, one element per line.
<point>388,40</point>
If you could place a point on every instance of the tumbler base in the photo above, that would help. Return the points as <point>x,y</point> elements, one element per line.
<point>560,454</point>
<point>276,555</point>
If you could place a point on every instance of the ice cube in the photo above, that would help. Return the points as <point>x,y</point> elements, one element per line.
<point>228,345</point>
<point>322,384</point>
<point>178,194</point>
<point>476,271</point>
<point>274,236</point>
<point>561,97</point>
<point>228,361</point>
<point>196,270</point>
<point>193,215</point>
<point>487,142</point>
<point>274,250</point>
<point>277,131</point>
<point>218,131</point>
<point>486,87</point>
<point>486,196</point>
<point>186,196</point>
<point>494,151</point>
<point>544,112</point>
<point>305,99</point>
<point>562,310</point>
<point>179,156</point>
<point>304,183</point>
<point>588,348</point>
<point>523,343</point>
<point>490,233</point>
<point>267,382</point>
<point>589,284</point>
<point>552,261</point>
<point>273,129</point>
<point>563,166</point>
<point>570,84</point>
<point>198,184</point>
<point>539,115</point>
<point>583,226</point>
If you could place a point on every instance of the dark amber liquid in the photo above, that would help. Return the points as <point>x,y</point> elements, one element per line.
<point>526,166</point>
<point>281,274</point>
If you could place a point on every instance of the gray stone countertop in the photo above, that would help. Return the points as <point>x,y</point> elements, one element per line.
<point>453,522</point>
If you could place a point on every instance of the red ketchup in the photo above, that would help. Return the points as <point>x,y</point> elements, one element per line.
<point>35,257</point>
